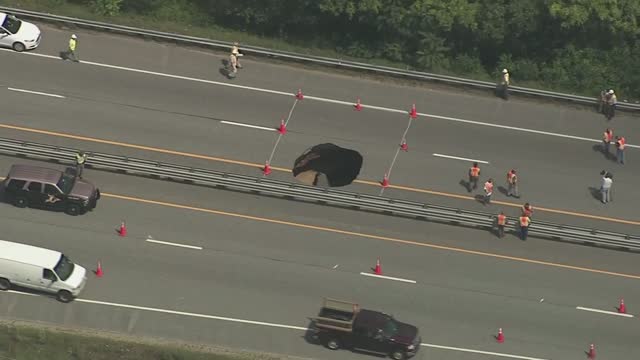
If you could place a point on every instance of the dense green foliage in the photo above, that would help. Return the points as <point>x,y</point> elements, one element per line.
<point>575,45</point>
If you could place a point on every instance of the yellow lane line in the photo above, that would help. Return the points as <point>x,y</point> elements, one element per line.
<point>369,236</point>
<point>250,164</point>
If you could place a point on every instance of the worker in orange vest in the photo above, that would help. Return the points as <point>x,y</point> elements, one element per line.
<point>620,144</point>
<point>607,138</point>
<point>512,183</point>
<point>524,226</point>
<point>474,175</point>
<point>527,210</point>
<point>502,221</point>
<point>488,191</point>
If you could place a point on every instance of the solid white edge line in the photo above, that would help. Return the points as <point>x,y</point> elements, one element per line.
<point>36,92</point>
<point>480,352</point>
<point>460,158</point>
<point>262,323</point>
<point>246,125</point>
<point>173,244</point>
<point>533,131</point>
<point>388,277</point>
<point>603,311</point>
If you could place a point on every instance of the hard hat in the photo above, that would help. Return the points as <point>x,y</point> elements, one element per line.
<point>611,91</point>
<point>504,71</point>
<point>74,36</point>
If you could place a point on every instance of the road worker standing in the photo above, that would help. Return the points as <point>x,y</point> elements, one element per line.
<point>81,158</point>
<point>474,175</point>
<point>527,210</point>
<point>488,191</point>
<point>512,183</point>
<point>71,51</point>
<point>607,138</point>
<point>612,102</point>
<point>620,144</point>
<point>235,50</point>
<point>504,84</point>
<point>501,222</point>
<point>525,221</point>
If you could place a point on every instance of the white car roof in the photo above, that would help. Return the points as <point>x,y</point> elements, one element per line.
<point>28,254</point>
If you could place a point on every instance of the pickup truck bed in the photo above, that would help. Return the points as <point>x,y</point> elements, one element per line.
<point>337,315</point>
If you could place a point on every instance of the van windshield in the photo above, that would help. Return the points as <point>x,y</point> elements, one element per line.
<point>64,268</point>
<point>11,24</point>
<point>66,183</point>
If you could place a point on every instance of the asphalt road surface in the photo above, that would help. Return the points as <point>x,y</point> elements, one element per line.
<point>113,96</point>
<point>248,267</point>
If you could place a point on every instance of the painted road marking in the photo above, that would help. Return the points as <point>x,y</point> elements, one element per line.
<point>388,277</point>
<point>368,236</point>
<point>460,158</point>
<point>247,125</point>
<point>275,168</point>
<point>37,93</point>
<point>341,102</point>
<point>173,244</point>
<point>262,323</point>
<point>481,352</point>
<point>603,311</point>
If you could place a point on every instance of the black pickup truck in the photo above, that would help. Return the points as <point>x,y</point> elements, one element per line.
<point>342,324</point>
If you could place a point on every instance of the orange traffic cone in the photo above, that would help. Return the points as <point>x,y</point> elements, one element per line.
<point>404,146</point>
<point>98,270</point>
<point>283,128</point>
<point>299,95</point>
<point>413,113</point>
<point>378,269</point>
<point>592,352</point>
<point>622,309</point>
<point>122,231</point>
<point>385,181</point>
<point>500,337</point>
<point>266,170</point>
<point>358,106</point>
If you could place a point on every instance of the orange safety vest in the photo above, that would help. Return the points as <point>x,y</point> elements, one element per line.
<point>608,136</point>
<point>488,187</point>
<point>621,143</point>
<point>524,221</point>
<point>474,171</point>
<point>502,220</point>
<point>527,211</point>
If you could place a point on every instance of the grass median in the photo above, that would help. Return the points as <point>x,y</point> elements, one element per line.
<point>34,341</point>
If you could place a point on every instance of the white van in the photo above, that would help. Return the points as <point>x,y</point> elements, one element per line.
<point>40,269</point>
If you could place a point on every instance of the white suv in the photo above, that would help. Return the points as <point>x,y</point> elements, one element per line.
<point>18,35</point>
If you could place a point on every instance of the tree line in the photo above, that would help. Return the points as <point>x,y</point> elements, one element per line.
<point>580,46</point>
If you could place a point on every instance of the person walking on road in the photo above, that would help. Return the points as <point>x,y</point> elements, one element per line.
<point>71,51</point>
<point>501,222</point>
<point>474,175</point>
<point>512,183</point>
<point>503,88</point>
<point>607,139</point>
<point>620,144</point>
<point>525,221</point>
<point>488,191</point>
<point>605,188</point>
<point>81,158</point>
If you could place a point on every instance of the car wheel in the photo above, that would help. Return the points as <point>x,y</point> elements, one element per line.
<point>333,344</point>
<point>19,47</point>
<point>21,202</point>
<point>4,284</point>
<point>73,210</point>
<point>397,355</point>
<point>64,296</point>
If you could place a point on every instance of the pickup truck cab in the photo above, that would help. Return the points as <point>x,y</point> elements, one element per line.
<point>342,324</point>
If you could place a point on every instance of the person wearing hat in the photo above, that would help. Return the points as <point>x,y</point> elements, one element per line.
<point>71,52</point>
<point>612,101</point>
<point>504,84</point>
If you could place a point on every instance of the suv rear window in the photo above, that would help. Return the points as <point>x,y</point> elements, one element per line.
<point>15,185</point>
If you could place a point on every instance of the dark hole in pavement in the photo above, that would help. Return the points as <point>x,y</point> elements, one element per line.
<point>327,165</point>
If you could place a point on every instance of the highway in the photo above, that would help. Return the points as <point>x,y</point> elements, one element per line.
<point>250,269</point>
<point>271,261</point>
<point>192,115</point>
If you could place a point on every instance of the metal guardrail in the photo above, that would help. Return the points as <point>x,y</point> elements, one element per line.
<point>296,191</point>
<point>352,65</point>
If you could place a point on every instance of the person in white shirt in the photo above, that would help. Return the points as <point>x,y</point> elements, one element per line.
<point>605,188</point>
